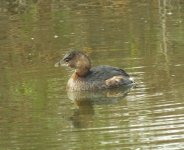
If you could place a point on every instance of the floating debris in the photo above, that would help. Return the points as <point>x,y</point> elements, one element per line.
<point>56,36</point>
<point>61,21</point>
<point>169,13</point>
<point>178,65</point>
<point>180,21</point>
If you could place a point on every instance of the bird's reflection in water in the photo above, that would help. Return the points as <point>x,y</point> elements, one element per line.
<point>85,101</point>
<point>83,114</point>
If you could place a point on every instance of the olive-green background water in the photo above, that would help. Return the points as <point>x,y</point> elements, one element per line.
<point>146,38</point>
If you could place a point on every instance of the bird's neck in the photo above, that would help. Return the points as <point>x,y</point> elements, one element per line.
<point>82,72</point>
<point>83,66</point>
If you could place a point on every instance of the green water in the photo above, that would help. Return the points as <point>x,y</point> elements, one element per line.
<point>143,37</point>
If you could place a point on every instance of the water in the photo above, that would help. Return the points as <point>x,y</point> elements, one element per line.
<point>143,37</point>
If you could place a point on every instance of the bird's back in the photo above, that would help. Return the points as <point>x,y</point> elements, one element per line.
<point>102,73</point>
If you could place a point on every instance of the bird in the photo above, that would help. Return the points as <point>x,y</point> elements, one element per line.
<point>87,78</point>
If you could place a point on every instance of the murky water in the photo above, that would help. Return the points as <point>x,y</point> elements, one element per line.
<point>143,37</point>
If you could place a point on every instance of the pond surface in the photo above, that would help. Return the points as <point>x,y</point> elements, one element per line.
<point>143,37</point>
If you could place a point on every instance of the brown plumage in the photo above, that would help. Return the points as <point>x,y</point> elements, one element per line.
<point>95,78</point>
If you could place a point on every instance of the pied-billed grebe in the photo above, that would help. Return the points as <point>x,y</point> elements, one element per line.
<point>95,78</point>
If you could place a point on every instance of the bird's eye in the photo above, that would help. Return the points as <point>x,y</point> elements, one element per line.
<point>68,57</point>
